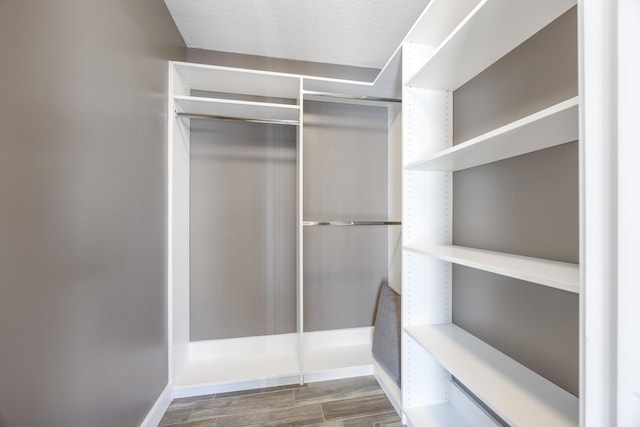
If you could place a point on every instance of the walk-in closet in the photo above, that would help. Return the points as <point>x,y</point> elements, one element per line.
<point>286,222</point>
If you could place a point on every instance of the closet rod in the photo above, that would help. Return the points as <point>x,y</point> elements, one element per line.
<point>352,97</point>
<point>350,223</point>
<point>238,119</point>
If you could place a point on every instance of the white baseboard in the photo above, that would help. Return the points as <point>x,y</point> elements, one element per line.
<point>159,408</point>
<point>389,387</point>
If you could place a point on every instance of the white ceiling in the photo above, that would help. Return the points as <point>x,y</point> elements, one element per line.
<point>362,33</point>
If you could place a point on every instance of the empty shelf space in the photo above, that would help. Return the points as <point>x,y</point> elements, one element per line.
<point>236,109</point>
<point>515,393</point>
<point>233,80</point>
<point>483,37</point>
<point>552,126</point>
<point>555,274</point>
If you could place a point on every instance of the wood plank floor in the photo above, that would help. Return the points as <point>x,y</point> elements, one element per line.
<point>352,402</point>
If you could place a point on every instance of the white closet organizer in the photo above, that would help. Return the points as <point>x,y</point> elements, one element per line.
<point>203,367</point>
<point>451,43</point>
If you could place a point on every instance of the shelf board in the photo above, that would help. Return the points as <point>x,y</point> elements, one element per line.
<point>518,395</point>
<point>223,371</point>
<point>483,37</point>
<point>552,126</point>
<point>443,415</point>
<point>239,81</point>
<point>555,274</point>
<point>235,108</point>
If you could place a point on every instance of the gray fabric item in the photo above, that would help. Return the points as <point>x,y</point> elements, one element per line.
<point>386,334</point>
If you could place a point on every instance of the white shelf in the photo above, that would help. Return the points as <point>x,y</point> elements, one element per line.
<point>239,81</point>
<point>552,126</point>
<point>488,32</point>
<point>443,415</point>
<point>555,274</point>
<point>515,393</point>
<point>238,109</point>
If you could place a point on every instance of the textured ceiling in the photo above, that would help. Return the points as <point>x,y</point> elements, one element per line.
<point>362,33</point>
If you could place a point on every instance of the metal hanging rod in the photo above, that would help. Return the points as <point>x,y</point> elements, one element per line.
<point>349,223</point>
<point>351,97</point>
<point>238,119</point>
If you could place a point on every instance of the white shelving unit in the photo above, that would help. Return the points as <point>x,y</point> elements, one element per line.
<point>205,367</point>
<point>237,109</point>
<point>552,126</point>
<point>437,59</point>
<point>518,395</point>
<point>487,32</point>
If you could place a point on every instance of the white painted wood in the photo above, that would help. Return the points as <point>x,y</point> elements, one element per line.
<point>238,81</point>
<point>204,389</point>
<point>158,409</point>
<point>390,388</point>
<point>394,195</point>
<point>246,346</point>
<point>515,393</point>
<point>426,210</point>
<point>233,108</point>
<point>442,415</point>
<point>337,353</point>
<point>598,230</point>
<point>177,232</point>
<point>300,233</point>
<point>469,409</point>
<point>488,32</point>
<point>351,87</point>
<point>555,274</point>
<point>628,33</point>
<point>235,372</point>
<point>552,126</point>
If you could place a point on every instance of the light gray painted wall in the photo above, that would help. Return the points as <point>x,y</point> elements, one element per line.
<point>345,178</point>
<point>82,210</point>
<point>243,229</point>
<point>526,205</point>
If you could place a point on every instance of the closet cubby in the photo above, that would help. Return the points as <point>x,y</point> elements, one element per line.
<point>451,377</point>
<point>260,106</point>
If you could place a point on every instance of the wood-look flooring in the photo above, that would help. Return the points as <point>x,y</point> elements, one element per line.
<point>352,402</point>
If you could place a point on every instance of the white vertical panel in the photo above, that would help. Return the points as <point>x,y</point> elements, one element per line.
<point>628,35</point>
<point>178,232</point>
<point>300,235</point>
<point>394,195</point>
<point>426,216</point>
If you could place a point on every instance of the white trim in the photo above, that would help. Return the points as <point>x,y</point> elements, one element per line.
<point>158,409</point>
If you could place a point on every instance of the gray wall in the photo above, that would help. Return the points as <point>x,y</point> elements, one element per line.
<point>82,210</point>
<point>345,178</point>
<point>243,229</point>
<point>526,205</point>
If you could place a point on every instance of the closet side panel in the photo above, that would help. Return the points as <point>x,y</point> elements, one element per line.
<point>243,248</point>
<point>345,178</point>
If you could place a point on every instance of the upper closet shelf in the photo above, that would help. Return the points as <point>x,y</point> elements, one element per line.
<point>515,393</point>
<point>236,109</point>
<point>555,274</point>
<point>232,80</point>
<point>552,126</point>
<point>483,37</point>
